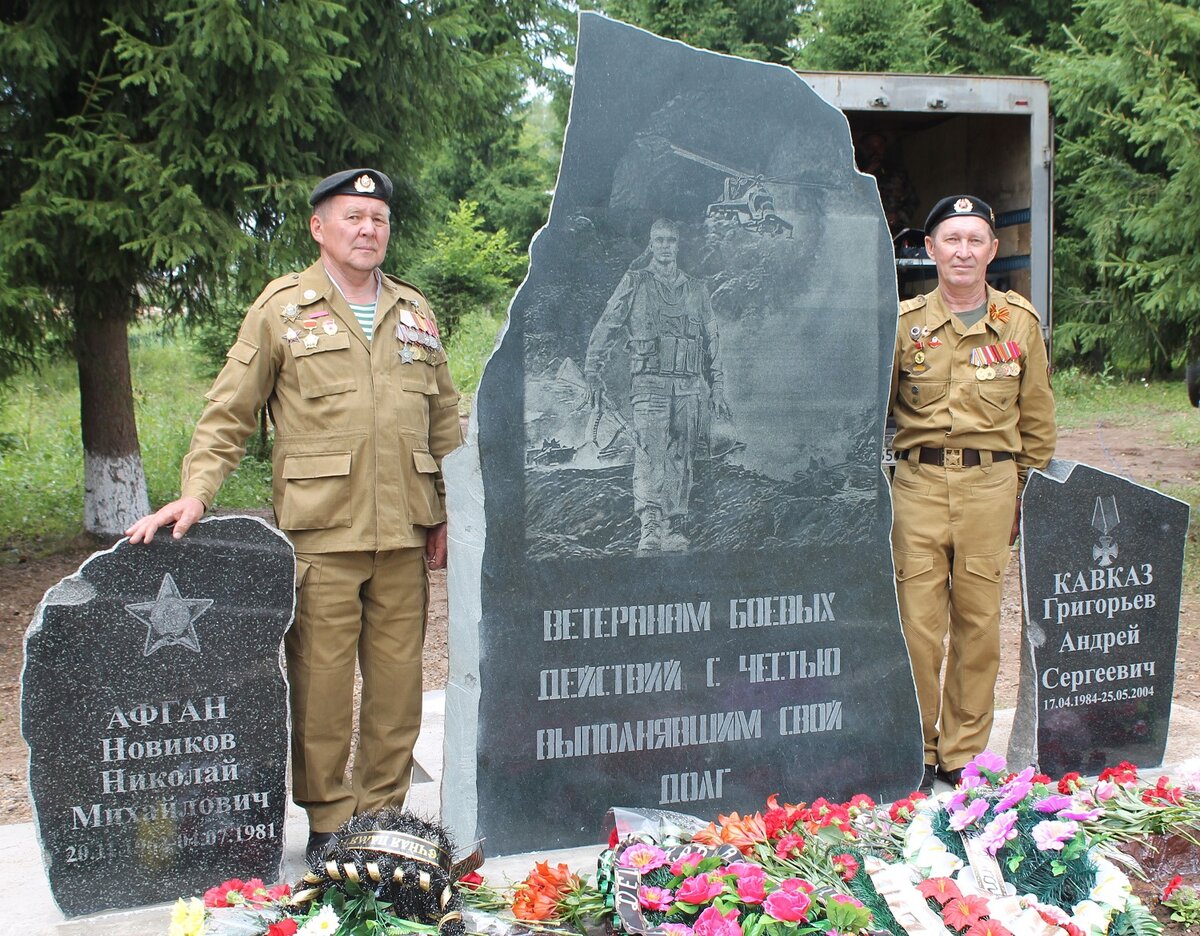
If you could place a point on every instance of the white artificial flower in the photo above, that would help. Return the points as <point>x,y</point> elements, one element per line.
<point>1112,887</point>
<point>324,922</point>
<point>1090,917</point>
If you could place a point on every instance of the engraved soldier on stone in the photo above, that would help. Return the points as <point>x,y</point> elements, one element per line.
<point>663,319</point>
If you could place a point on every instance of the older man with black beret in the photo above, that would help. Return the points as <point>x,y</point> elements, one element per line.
<point>349,362</point>
<point>974,412</point>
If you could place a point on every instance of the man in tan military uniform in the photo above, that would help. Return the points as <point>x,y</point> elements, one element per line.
<point>350,365</point>
<point>974,412</point>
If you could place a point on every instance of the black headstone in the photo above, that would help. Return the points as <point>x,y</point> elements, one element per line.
<point>655,602</point>
<point>155,708</point>
<point>1102,572</point>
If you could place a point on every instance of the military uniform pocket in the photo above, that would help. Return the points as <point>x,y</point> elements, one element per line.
<point>325,369</point>
<point>237,362</point>
<point>990,567</point>
<point>909,565</point>
<point>918,394</point>
<point>999,393</point>
<point>316,492</point>
<point>424,505</point>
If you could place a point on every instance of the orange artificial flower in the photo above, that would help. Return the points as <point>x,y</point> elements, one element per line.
<point>741,832</point>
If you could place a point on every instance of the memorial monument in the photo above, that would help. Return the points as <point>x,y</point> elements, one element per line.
<point>155,708</point>
<point>671,579</point>
<point>1102,574</point>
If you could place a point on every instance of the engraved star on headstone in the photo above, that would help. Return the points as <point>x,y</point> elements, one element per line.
<point>170,618</point>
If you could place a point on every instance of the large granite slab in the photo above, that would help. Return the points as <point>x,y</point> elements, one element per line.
<point>1102,573</point>
<point>155,708</point>
<point>670,575</point>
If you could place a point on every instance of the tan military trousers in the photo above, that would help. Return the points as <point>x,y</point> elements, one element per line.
<point>370,605</point>
<point>950,544</point>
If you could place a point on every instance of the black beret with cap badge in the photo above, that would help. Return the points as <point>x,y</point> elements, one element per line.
<point>959,206</point>
<point>370,183</point>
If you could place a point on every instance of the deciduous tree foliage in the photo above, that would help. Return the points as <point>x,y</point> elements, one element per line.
<point>161,150</point>
<point>1126,92</point>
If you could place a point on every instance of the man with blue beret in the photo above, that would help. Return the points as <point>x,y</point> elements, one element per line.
<point>349,362</point>
<point>974,412</point>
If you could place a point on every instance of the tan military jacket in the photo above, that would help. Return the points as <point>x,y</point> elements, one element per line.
<point>941,402</point>
<point>359,433</point>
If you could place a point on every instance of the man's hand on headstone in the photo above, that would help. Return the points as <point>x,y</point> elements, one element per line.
<point>435,547</point>
<point>183,513</point>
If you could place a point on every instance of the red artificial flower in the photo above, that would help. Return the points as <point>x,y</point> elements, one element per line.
<point>471,881</point>
<point>941,889</point>
<point>964,911</point>
<point>1059,918</point>
<point>989,928</point>
<point>286,927</point>
<point>845,865</point>
<point>1163,792</point>
<point>1040,778</point>
<point>1069,783</point>
<point>859,803</point>
<point>1124,772</point>
<point>226,894</point>
<point>902,810</point>
<point>789,846</point>
<point>779,820</point>
<point>1171,885</point>
<point>531,904</point>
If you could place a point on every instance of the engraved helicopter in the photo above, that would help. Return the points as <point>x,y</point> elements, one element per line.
<point>745,198</point>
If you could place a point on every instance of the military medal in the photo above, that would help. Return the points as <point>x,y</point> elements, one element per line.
<point>290,312</point>
<point>406,355</point>
<point>310,340</point>
<point>925,331</point>
<point>1014,369</point>
<point>915,333</point>
<point>981,373</point>
<point>919,357</point>
<point>291,335</point>
<point>310,294</point>
<point>935,341</point>
<point>330,327</point>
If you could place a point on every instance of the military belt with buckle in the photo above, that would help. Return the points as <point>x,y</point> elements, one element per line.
<point>954,457</point>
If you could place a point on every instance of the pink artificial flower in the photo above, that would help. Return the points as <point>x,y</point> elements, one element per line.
<point>752,890</point>
<point>1106,790</point>
<point>712,922</point>
<point>1052,803</point>
<point>676,929</point>
<point>788,906</point>
<point>796,886</point>
<point>699,889</point>
<point>1011,794</point>
<point>642,857</point>
<point>1052,835</point>
<point>655,898</point>
<point>686,864</point>
<point>967,817</point>
<point>988,760</point>
<point>1080,813</point>
<point>789,846</point>
<point>1000,830</point>
<point>741,869</point>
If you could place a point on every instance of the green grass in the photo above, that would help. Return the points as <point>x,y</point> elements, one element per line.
<point>1084,400</point>
<point>468,348</point>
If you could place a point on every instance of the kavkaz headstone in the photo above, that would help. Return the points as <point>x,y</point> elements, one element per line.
<point>1102,572</point>
<point>671,579</point>
<point>155,708</point>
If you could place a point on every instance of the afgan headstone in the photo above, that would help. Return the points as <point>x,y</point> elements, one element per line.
<point>155,708</point>
<point>671,576</point>
<point>1102,572</point>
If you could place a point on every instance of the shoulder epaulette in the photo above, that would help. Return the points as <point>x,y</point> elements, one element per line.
<point>1016,299</point>
<point>275,286</point>
<point>406,284</point>
<point>916,302</point>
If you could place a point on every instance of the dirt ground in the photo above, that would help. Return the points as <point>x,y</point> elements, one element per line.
<point>1126,451</point>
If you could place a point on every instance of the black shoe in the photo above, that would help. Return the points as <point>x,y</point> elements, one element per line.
<point>951,777</point>
<point>927,779</point>
<point>318,843</point>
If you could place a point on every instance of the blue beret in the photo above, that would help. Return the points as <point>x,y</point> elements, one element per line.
<point>370,183</point>
<point>960,206</point>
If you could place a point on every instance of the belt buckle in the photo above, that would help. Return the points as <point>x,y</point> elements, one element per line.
<point>952,458</point>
